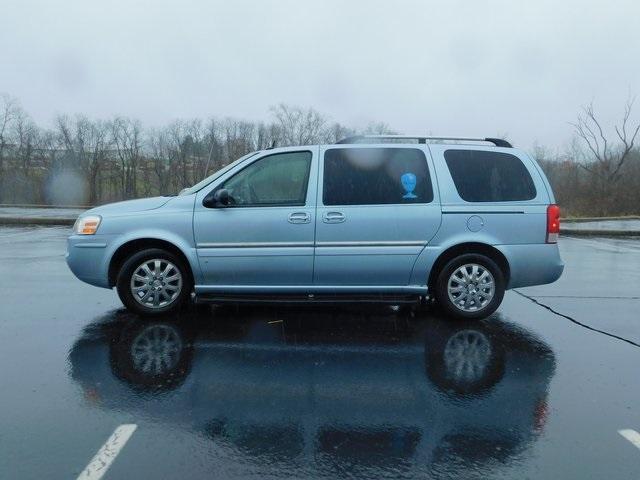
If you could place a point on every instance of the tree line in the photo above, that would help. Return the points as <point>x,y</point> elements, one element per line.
<point>85,161</point>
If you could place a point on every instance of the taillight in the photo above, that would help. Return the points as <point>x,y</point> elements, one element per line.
<point>553,223</point>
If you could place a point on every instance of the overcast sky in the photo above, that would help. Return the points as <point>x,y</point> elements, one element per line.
<point>456,68</point>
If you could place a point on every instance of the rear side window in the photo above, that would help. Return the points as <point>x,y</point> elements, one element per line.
<point>376,176</point>
<point>484,176</point>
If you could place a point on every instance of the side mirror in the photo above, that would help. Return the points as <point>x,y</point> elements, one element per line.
<point>217,199</point>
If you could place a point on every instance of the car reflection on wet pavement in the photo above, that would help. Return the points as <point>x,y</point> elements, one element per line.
<point>331,391</point>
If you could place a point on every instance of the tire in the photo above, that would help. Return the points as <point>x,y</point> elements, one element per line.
<point>469,298</point>
<point>171,282</point>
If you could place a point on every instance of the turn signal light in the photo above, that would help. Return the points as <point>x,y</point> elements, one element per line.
<point>87,225</point>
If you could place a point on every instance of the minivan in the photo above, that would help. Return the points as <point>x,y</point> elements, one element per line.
<point>394,219</point>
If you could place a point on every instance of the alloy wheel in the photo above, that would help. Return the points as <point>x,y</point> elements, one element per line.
<point>471,287</point>
<point>156,283</point>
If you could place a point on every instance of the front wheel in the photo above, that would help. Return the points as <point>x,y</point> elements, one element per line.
<point>154,282</point>
<point>470,286</point>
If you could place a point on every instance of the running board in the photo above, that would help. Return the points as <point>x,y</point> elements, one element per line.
<point>306,299</point>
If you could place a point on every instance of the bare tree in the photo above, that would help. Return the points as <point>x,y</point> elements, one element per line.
<point>267,135</point>
<point>127,140</point>
<point>100,147</point>
<point>299,126</point>
<point>9,110</point>
<point>606,156</point>
<point>48,146</point>
<point>26,141</point>
<point>238,138</point>
<point>86,146</point>
<point>336,132</point>
<point>159,153</point>
<point>178,154</point>
<point>214,147</point>
<point>378,128</point>
<point>197,153</point>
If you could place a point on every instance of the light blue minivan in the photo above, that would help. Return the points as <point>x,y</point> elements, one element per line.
<point>371,218</point>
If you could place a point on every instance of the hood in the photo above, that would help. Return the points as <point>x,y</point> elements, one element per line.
<point>130,206</point>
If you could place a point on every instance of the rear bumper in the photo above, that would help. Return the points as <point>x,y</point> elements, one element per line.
<point>86,258</point>
<point>536,264</point>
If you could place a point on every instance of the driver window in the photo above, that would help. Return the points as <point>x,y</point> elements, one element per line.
<point>279,179</point>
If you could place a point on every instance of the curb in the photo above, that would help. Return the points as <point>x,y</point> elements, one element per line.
<point>597,219</point>
<point>600,233</point>
<point>37,221</point>
<point>29,205</point>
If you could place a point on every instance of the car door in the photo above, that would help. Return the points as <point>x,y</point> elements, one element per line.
<point>264,238</point>
<point>376,212</point>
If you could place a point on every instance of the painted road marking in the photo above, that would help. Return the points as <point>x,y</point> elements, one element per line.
<point>101,462</point>
<point>632,436</point>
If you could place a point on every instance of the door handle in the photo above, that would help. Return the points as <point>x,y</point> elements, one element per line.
<point>333,217</point>
<point>299,217</point>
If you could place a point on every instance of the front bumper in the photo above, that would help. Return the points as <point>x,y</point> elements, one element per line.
<point>87,258</point>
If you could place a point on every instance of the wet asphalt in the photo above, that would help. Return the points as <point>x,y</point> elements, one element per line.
<point>539,390</point>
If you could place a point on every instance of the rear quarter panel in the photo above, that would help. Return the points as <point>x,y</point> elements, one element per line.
<point>500,224</point>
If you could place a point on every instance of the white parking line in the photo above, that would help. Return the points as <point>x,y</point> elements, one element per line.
<point>101,462</point>
<point>632,436</point>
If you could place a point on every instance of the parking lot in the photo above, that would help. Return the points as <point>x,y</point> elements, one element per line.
<point>541,389</point>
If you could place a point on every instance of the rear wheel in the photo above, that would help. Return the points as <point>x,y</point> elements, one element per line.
<point>154,282</point>
<point>470,286</point>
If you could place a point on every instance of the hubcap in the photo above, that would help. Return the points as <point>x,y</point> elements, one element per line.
<point>156,350</point>
<point>471,287</point>
<point>156,283</point>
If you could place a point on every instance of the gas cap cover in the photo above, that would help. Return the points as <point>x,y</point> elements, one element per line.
<point>475,223</point>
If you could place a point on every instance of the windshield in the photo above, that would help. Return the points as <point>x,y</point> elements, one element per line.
<point>203,183</point>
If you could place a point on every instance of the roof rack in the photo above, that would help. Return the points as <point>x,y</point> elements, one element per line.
<point>498,142</point>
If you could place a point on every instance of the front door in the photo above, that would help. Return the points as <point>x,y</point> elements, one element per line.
<point>265,236</point>
<point>376,212</point>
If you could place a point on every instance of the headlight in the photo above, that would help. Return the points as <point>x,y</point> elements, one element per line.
<point>87,225</point>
